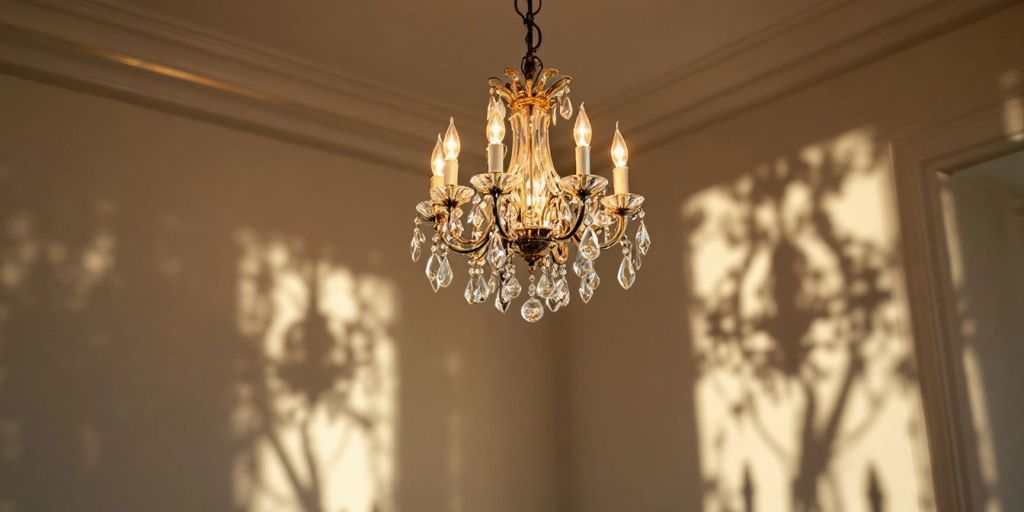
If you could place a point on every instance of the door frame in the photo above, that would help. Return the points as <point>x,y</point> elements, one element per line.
<point>921,160</point>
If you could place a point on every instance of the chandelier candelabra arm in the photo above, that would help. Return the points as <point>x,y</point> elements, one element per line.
<point>581,213</point>
<point>496,218</point>
<point>456,242</point>
<point>620,229</point>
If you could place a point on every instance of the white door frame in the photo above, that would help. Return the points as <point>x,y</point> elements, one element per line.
<point>919,161</point>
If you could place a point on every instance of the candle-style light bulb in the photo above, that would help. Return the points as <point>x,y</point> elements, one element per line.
<point>437,158</point>
<point>452,145</point>
<point>620,153</point>
<point>495,123</point>
<point>581,130</point>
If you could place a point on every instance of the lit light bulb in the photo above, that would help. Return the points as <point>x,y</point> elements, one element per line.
<point>495,124</point>
<point>620,154</point>
<point>581,130</point>
<point>452,145</point>
<point>437,158</point>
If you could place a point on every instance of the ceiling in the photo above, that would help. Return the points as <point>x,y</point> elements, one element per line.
<point>446,49</point>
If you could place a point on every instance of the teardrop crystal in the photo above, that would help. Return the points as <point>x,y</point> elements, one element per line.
<point>554,303</point>
<point>627,273</point>
<point>470,286</point>
<point>433,265</point>
<point>532,310</point>
<point>480,290</point>
<point>511,289</point>
<point>566,108</point>
<point>496,252</point>
<point>592,279</point>
<point>499,304</point>
<point>492,283</point>
<point>414,247</point>
<point>589,246</point>
<point>643,239</point>
<point>444,273</point>
<point>476,216</point>
<point>586,292</point>
<point>544,287</point>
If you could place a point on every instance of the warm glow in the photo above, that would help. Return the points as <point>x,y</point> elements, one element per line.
<point>581,131</point>
<point>437,158</point>
<point>495,124</point>
<point>620,154</point>
<point>452,145</point>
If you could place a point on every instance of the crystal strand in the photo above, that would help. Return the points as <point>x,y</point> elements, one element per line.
<point>532,309</point>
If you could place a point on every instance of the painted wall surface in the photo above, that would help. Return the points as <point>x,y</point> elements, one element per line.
<point>764,359</point>
<point>197,318</point>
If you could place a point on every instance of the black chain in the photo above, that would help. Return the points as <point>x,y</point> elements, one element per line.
<point>531,62</point>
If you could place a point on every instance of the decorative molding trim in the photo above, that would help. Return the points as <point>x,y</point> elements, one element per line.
<point>818,43</point>
<point>920,160</point>
<point>130,55</point>
<point>123,52</point>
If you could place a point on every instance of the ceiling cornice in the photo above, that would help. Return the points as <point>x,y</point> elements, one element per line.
<point>137,56</point>
<point>826,39</point>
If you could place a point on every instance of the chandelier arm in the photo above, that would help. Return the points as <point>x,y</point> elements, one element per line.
<point>581,213</point>
<point>496,218</point>
<point>620,229</point>
<point>460,245</point>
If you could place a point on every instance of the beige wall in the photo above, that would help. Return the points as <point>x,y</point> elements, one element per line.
<point>152,261</point>
<point>683,391</point>
<point>150,271</point>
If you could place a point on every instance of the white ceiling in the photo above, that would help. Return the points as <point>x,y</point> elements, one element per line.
<point>446,49</point>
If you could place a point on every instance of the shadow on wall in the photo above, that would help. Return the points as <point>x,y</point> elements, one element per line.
<point>807,397</point>
<point>143,371</point>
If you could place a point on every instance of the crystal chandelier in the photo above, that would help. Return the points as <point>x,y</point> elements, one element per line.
<point>529,210</point>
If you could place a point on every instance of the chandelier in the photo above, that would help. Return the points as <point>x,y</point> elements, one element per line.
<point>528,210</point>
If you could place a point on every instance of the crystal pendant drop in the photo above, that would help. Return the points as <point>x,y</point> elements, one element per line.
<point>433,265</point>
<point>643,239</point>
<point>492,283</point>
<point>592,279</point>
<point>544,287</point>
<point>532,310</point>
<point>564,294</point>
<point>554,303</point>
<point>479,290</point>
<point>627,273</point>
<point>500,304</point>
<point>476,216</point>
<point>586,292</point>
<point>511,289</point>
<point>444,273</point>
<point>417,241</point>
<point>496,253</point>
<point>468,294</point>
<point>589,246</point>
<point>566,108</point>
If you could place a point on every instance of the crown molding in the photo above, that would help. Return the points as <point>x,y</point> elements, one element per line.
<point>123,52</point>
<point>825,40</point>
<point>132,55</point>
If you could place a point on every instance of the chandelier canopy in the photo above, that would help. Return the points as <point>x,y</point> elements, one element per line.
<point>528,210</point>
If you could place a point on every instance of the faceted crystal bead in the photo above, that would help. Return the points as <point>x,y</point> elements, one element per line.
<point>480,289</point>
<point>476,216</point>
<point>627,273</point>
<point>643,239</point>
<point>444,273</point>
<point>544,286</point>
<point>500,304</point>
<point>554,303</point>
<point>433,266</point>
<point>417,241</point>
<point>592,279</point>
<point>589,246</point>
<point>532,310</point>
<point>566,108</point>
<point>496,252</point>
<point>468,294</point>
<point>492,283</point>
<point>586,292</point>
<point>511,289</point>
